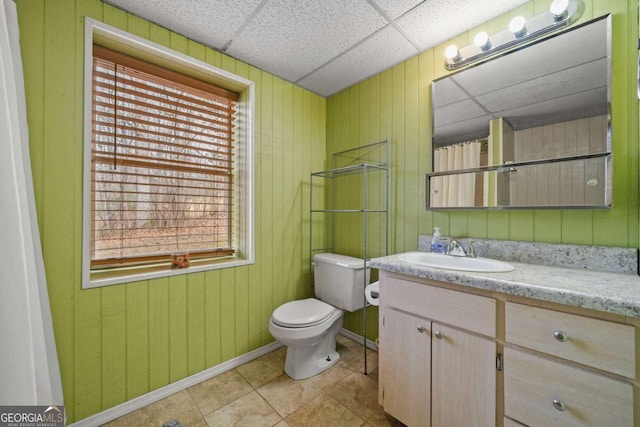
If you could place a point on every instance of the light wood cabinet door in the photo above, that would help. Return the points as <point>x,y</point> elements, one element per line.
<point>463,376</point>
<point>405,350</point>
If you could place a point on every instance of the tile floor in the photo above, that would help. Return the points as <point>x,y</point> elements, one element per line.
<point>259,393</point>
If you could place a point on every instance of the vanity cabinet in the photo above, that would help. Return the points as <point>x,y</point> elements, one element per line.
<point>455,355</point>
<point>437,355</point>
<point>567,369</point>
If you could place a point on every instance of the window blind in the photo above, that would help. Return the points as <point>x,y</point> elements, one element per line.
<point>162,163</point>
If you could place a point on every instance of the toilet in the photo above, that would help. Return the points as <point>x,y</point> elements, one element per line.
<point>308,327</point>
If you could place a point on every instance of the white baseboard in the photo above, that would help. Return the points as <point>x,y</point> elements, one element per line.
<point>158,394</point>
<point>358,338</point>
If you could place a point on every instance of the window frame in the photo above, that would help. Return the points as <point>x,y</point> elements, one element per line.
<point>243,233</point>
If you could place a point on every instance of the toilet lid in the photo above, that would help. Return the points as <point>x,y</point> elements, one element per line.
<point>300,313</point>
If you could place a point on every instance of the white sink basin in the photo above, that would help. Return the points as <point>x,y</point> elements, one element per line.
<point>449,262</point>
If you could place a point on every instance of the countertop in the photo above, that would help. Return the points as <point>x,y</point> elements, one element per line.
<point>612,292</point>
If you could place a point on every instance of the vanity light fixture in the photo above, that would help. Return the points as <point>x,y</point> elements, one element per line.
<point>561,13</point>
<point>518,26</point>
<point>452,53</point>
<point>559,9</point>
<point>483,41</point>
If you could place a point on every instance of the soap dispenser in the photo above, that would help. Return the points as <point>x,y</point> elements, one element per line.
<point>435,247</point>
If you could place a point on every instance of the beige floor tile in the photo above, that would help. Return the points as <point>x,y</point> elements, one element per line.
<point>340,396</point>
<point>382,419</point>
<point>347,347</point>
<point>332,375</point>
<point>352,354</point>
<point>324,411</point>
<point>262,370</point>
<point>179,406</point>
<point>281,353</point>
<point>359,393</point>
<point>216,392</point>
<point>388,422</point>
<point>286,395</point>
<point>248,411</point>
<point>355,360</point>
<point>373,371</point>
<point>119,422</point>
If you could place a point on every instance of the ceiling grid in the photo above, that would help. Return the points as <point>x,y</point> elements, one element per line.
<point>324,46</point>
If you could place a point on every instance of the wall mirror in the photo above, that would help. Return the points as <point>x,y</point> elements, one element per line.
<point>527,129</point>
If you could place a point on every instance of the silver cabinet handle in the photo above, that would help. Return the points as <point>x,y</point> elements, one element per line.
<point>421,329</point>
<point>438,335</point>
<point>561,336</point>
<point>559,405</point>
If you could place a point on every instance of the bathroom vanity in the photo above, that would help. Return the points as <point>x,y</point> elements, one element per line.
<point>541,345</point>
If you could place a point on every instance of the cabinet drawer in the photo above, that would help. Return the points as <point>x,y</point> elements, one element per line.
<point>601,344</point>
<point>508,422</point>
<point>471,312</point>
<point>532,383</point>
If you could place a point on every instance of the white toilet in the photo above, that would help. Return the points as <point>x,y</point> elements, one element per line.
<point>308,327</point>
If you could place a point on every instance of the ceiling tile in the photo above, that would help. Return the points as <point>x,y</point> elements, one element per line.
<point>559,110</point>
<point>396,8</point>
<point>305,41</point>
<point>291,39</point>
<point>446,91</point>
<point>210,22</point>
<point>436,21</point>
<point>385,49</point>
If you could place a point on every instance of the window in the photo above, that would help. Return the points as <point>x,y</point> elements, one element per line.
<point>163,170</point>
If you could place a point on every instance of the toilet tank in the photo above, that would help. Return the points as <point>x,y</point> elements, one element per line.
<point>340,280</point>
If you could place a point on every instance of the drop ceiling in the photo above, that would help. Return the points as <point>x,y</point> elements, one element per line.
<point>324,46</point>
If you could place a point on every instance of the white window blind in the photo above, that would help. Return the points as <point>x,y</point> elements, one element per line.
<point>162,163</point>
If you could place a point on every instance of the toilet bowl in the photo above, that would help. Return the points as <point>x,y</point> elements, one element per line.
<point>308,327</point>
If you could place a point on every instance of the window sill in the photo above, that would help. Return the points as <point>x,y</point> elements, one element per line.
<point>135,274</point>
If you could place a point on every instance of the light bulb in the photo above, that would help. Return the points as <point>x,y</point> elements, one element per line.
<point>559,9</point>
<point>482,41</point>
<point>452,53</point>
<point>518,26</point>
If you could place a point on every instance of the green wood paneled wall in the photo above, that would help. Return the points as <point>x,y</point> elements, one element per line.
<point>119,342</point>
<point>396,104</point>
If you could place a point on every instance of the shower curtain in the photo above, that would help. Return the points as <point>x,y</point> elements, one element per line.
<point>456,190</point>
<point>29,371</point>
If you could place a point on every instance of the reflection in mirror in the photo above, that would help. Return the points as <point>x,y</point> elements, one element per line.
<point>463,189</point>
<point>579,182</point>
<point>570,183</point>
<point>458,190</point>
<point>543,103</point>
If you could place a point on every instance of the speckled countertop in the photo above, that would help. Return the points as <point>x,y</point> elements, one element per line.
<point>613,292</point>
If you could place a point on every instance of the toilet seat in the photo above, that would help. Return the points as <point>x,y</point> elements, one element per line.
<point>302,313</point>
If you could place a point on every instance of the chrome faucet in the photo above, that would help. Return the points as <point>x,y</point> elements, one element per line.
<point>454,248</point>
<point>471,253</point>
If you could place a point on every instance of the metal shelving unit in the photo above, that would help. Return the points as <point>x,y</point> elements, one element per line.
<point>356,185</point>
